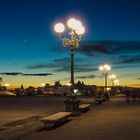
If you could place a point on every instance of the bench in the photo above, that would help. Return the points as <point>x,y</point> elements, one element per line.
<point>99,100</point>
<point>84,107</point>
<point>103,98</point>
<point>55,119</point>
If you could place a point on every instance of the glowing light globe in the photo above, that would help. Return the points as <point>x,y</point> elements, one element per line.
<point>77,24</point>
<point>80,30</point>
<point>59,28</point>
<point>107,67</point>
<point>71,23</point>
<point>112,76</point>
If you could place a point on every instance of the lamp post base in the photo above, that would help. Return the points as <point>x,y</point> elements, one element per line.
<point>72,105</point>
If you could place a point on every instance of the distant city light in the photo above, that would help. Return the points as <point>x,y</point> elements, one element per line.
<point>116,82</point>
<point>75,91</point>
<point>108,89</point>
<point>6,85</point>
<point>69,84</point>
<point>43,84</point>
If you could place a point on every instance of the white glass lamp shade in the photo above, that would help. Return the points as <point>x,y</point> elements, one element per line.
<point>80,30</point>
<point>59,28</point>
<point>107,67</point>
<point>112,76</point>
<point>116,81</point>
<point>71,23</point>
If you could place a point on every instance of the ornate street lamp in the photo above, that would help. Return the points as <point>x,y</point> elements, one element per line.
<point>71,40</point>
<point>105,69</point>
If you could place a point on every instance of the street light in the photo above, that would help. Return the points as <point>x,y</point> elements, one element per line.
<point>75,31</point>
<point>105,69</point>
<point>116,82</point>
<point>112,78</point>
<point>71,40</point>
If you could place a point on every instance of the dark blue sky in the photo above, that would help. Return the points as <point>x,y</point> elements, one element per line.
<point>29,45</point>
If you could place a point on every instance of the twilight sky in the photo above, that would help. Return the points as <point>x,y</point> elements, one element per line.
<point>31,53</point>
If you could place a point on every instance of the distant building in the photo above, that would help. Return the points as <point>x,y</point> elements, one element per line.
<point>61,90</point>
<point>57,84</point>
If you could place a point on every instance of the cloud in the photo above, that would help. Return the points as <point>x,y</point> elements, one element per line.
<point>108,47</point>
<point>63,65</point>
<point>125,46</point>
<point>11,73</point>
<point>90,48</point>
<point>66,60</point>
<point>47,65</point>
<point>86,76</point>
<point>85,69</point>
<point>37,74</point>
<point>124,66</point>
<point>80,69</point>
<point>120,54</point>
<point>56,63</point>
<point>135,59</point>
<point>62,60</point>
<point>128,59</point>
<point>23,74</point>
<point>38,66</point>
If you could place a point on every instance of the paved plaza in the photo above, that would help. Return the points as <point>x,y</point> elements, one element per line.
<point>113,120</point>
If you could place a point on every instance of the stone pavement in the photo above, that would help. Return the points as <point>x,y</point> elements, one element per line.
<point>114,120</point>
<point>20,115</point>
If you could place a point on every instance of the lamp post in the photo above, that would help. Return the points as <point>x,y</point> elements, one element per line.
<point>71,40</point>
<point>116,82</point>
<point>112,78</point>
<point>105,69</point>
<point>76,30</point>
